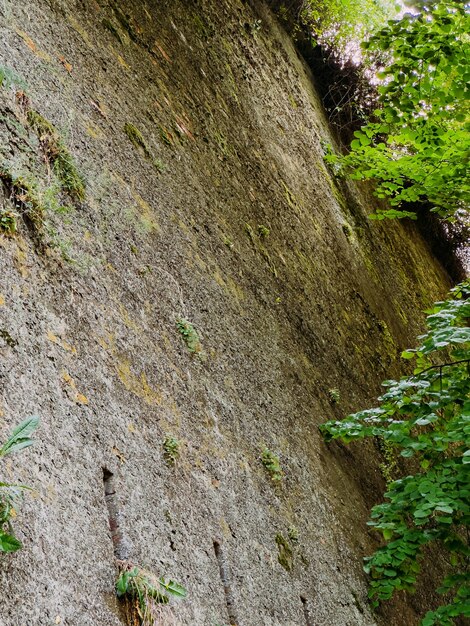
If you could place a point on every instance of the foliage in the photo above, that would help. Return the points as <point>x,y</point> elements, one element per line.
<point>9,494</point>
<point>293,534</point>
<point>56,153</point>
<point>417,145</point>
<point>171,449</point>
<point>145,591</point>
<point>425,416</point>
<point>334,395</point>
<point>190,336</point>
<point>7,222</point>
<point>337,23</point>
<point>272,464</point>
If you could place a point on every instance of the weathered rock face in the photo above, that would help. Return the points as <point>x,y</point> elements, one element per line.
<point>199,135</point>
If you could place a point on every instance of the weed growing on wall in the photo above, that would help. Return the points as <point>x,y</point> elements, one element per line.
<point>190,336</point>
<point>143,591</point>
<point>8,222</point>
<point>171,449</point>
<point>272,464</point>
<point>425,416</point>
<point>334,395</point>
<point>10,493</point>
<point>57,154</point>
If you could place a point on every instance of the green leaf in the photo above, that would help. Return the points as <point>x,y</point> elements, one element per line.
<point>9,543</point>
<point>173,588</point>
<point>19,438</point>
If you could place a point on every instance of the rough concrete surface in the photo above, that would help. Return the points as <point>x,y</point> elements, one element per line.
<point>174,224</point>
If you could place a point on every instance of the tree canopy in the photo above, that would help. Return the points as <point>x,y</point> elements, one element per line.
<point>416,146</point>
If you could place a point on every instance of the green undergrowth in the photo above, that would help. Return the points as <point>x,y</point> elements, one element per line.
<point>272,464</point>
<point>171,449</point>
<point>32,203</point>
<point>26,201</point>
<point>39,183</point>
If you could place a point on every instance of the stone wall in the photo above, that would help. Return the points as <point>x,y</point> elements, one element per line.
<point>200,137</point>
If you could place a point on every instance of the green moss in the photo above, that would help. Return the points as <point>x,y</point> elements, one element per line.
<point>272,464</point>
<point>202,28</point>
<point>257,243</point>
<point>292,101</point>
<point>159,165</point>
<point>285,556</point>
<point>58,155</point>
<point>137,139</point>
<point>126,24</point>
<point>112,29</point>
<point>263,231</point>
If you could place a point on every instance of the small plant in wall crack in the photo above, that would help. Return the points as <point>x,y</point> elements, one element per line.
<point>143,592</point>
<point>8,224</point>
<point>10,494</point>
<point>171,450</point>
<point>334,395</point>
<point>272,464</point>
<point>190,337</point>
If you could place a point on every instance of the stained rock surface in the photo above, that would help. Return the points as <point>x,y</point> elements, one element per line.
<point>164,160</point>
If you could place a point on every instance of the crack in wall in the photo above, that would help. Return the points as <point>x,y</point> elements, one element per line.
<point>121,543</point>
<point>227,583</point>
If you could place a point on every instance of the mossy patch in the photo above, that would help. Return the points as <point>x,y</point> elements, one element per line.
<point>285,556</point>
<point>256,240</point>
<point>112,29</point>
<point>25,199</point>
<point>138,141</point>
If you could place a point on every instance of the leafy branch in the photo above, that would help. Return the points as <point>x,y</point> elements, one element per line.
<point>416,145</point>
<point>426,416</point>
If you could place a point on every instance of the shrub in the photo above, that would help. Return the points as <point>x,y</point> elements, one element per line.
<point>425,416</point>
